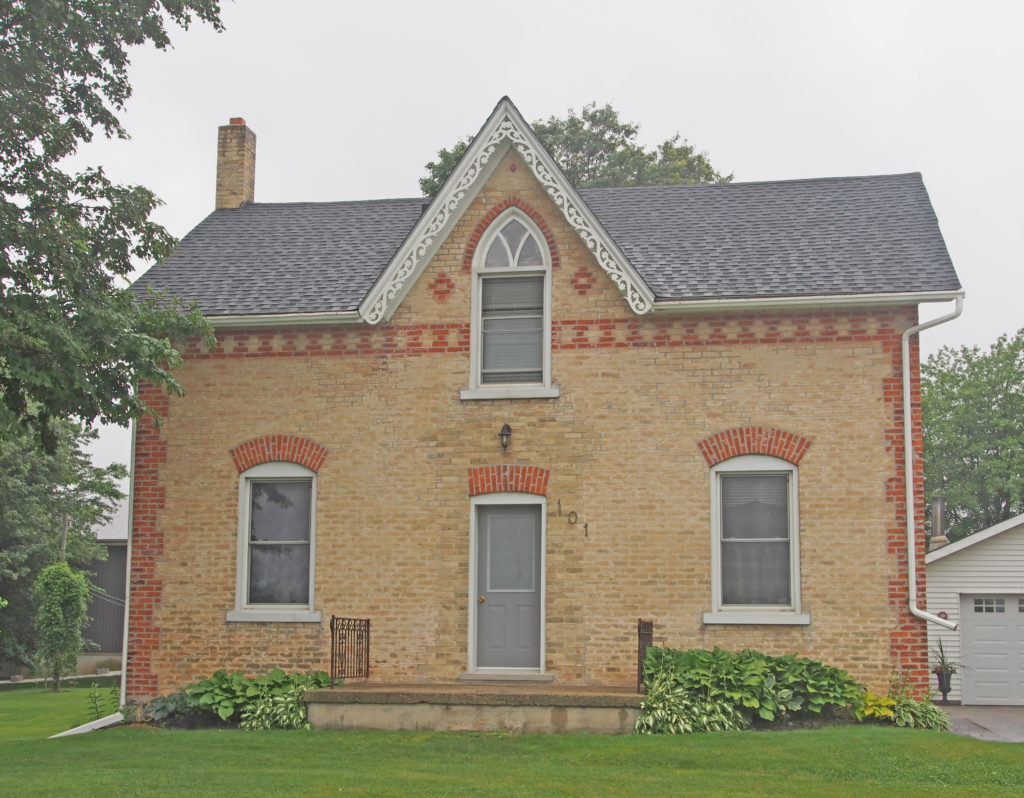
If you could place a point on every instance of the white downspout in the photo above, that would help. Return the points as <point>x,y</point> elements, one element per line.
<point>908,465</point>
<point>128,569</point>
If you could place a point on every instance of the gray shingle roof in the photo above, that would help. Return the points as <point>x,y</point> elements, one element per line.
<point>116,529</point>
<point>846,235</point>
<point>832,236</point>
<point>302,257</point>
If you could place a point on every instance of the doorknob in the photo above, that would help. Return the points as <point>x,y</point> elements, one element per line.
<point>483,599</point>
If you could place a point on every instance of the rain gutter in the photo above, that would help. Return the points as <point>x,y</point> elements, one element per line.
<point>908,465</point>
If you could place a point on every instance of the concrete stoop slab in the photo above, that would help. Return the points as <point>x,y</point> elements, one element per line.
<point>504,708</point>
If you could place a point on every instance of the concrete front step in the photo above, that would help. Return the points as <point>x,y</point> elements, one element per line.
<point>475,707</point>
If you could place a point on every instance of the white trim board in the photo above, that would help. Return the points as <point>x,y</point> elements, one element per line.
<point>486,499</point>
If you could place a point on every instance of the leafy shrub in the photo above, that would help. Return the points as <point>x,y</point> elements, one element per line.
<point>875,707</point>
<point>756,684</point>
<point>166,705</point>
<point>276,700</point>
<point>223,693</point>
<point>818,686</point>
<point>900,707</point>
<point>670,708</point>
<point>273,700</point>
<point>283,709</point>
<point>63,595</point>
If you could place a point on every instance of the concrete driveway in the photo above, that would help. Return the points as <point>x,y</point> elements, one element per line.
<point>1001,724</point>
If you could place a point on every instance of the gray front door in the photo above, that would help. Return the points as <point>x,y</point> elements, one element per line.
<point>508,585</point>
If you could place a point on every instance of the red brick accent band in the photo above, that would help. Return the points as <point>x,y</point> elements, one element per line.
<point>723,329</point>
<point>508,479</point>
<point>754,440</point>
<point>273,448</point>
<point>494,213</point>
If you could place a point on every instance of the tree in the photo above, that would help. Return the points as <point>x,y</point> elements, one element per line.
<point>63,596</point>
<point>49,506</point>
<point>596,149</point>
<point>972,405</point>
<point>72,338</point>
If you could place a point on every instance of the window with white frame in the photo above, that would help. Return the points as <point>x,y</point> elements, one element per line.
<point>511,306</point>
<point>276,544</point>
<point>755,542</point>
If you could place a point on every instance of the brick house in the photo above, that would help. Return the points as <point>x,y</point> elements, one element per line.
<point>703,385</point>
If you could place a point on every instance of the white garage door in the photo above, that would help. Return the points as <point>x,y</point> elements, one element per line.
<point>992,634</point>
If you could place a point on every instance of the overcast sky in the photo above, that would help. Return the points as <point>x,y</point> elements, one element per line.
<point>348,101</point>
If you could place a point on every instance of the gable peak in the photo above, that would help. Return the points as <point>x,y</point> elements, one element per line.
<point>504,129</point>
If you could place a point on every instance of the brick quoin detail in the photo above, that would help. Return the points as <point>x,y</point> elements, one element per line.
<point>279,448</point>
<point>508,479</point>
<point>494,213</point>
<point>147,547</point>
<point>908,641</point>
<point>771,441</point>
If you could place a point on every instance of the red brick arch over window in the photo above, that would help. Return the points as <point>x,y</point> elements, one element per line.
<point>508,479</point>
<point>494,213</point>
<point>279,448</point>
<point>754,440</point>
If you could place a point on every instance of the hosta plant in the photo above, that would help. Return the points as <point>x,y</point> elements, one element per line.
<point>283,710</point>
<point>762,687</point>
<point>273,698</point>
<point>669,708</point>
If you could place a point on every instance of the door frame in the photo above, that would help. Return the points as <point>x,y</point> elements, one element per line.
<point>490,499</point>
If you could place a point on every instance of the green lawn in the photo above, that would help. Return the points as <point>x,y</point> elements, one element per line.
<point>840,761</point>
<point>33,711</point>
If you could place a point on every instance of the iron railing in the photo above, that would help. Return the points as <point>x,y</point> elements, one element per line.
<point>644,639</point>
<point>350,648</point>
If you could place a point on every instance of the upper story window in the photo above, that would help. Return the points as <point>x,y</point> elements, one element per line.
<point>511,324</point>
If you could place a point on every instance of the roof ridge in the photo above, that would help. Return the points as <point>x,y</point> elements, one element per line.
<point>665,186</point>
<point>791,181</point>
<point>301,203</point>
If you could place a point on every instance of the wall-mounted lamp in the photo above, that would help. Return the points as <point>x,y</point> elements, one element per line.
<point>505,435</point>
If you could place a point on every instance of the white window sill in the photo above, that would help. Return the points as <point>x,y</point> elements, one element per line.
<point>511,392</point>
<point>274,616</point>
<point>778,618</point>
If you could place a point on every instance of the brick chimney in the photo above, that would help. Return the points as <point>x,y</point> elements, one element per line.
<point>236,164</point>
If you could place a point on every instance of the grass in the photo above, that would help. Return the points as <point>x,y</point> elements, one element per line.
<point>838,761</point>
<point>36,712</point>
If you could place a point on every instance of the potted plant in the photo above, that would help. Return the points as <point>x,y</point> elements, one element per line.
<point>944,670</point>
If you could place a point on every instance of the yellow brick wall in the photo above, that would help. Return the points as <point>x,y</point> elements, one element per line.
<point>621,443</point>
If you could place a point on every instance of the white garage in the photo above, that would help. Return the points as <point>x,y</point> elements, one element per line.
<point>978,582</point>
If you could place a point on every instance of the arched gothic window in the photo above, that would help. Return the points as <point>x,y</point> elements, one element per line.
<point>511,348</point>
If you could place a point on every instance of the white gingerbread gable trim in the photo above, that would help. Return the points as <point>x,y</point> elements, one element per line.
<point>504,129</point>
